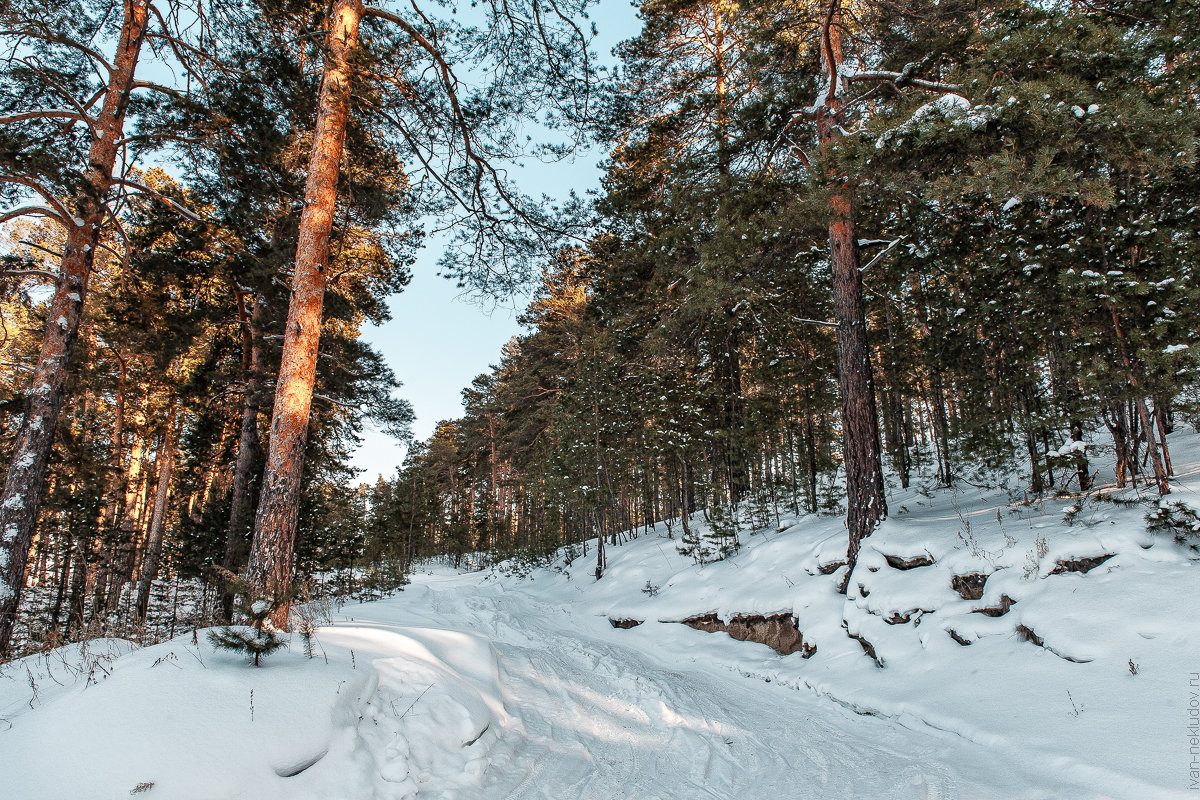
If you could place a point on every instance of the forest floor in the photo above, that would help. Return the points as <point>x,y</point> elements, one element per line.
<point>514,683</point>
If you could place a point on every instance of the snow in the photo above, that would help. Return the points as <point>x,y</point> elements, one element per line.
<point>949,108</point>
<point>1070,447</point>
<point>384,716</point>
<point>512,683</point>
<point>1011,203</point>
<point>1174,348</point>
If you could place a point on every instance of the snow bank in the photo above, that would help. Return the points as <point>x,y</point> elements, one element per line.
<point>1072,664</point>
<point>374,713</point>
<point>989,646</point>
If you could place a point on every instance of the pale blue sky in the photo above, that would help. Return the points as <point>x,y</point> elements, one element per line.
<point>437,342</point>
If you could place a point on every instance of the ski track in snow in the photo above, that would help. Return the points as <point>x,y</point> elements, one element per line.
<point>594,719</point>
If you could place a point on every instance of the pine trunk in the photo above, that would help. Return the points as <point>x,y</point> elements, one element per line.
<point>21,497</point>
<point>254,361</point>
<point>865,503</point>
<point>270,567</point>
<point>118,554</point>
<point>166,461</point>
<point>1160,472</point>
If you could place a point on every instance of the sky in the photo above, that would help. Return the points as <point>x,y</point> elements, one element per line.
<point>438,341</point>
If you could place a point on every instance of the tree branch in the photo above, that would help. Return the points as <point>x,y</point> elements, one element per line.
<point>43,211</point>
<point>154,87</point>
<point>39,273</point>
<point>43,32</point>
<point>52,113</point>
<point>187,212</point>
<point>43,191</point>
<point>879,256</point>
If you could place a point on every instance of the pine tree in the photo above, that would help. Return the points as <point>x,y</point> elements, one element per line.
<point>258,638</point>
<point>545,71</point>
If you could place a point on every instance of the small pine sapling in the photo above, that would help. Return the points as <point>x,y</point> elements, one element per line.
<point>1176,519</point>
<point>257,638</point>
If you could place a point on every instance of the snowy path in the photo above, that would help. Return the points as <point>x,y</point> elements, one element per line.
<point>597,714</point>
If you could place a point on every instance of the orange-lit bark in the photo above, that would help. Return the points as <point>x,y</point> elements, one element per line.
<point>271,555</point>
<point>22,492</point>
<point>865,503</point>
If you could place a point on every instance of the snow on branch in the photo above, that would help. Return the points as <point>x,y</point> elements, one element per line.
<point>37,273</point>
<point>950,108</point>
<point>900,79</point>
<point>879,256</point>
<point>46,194</point>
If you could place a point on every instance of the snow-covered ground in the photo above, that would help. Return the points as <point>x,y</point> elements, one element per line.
<point>486,685</point>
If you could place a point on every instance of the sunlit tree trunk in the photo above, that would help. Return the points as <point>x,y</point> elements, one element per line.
<point>865,503</point>
<point>22,492</point>
<point>270,566</point>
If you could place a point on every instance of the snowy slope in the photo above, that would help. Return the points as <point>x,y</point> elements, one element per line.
<point>488,685</point>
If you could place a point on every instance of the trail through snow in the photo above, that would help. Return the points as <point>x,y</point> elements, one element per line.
<point>594,715</point>
<point>1064,677</point>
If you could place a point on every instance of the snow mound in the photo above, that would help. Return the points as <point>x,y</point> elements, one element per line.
<point>374,714</point>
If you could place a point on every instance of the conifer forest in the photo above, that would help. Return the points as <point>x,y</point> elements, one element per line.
<point>882,319</point>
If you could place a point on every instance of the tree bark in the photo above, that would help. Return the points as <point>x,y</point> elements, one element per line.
<point>1160,472</point>
<point>271,556</point>
<point>255,362</point>
<point>117,551</point>
<point>112,504</point>
<point>22,492</point>
<point>166,462</point>
<point>865,503</point>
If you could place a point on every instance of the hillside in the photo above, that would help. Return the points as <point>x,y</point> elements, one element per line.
<point>1067,677</point>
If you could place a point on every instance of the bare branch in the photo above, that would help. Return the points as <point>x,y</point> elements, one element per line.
<point>879,256</point>
<point>45,250</point>
<point>22,211</point>
<point>46,194</point>
<point>187,212</point>
<point>327,399</point>
<point>37,273</point>
<point>901,79</point>
<point>50,113</point>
